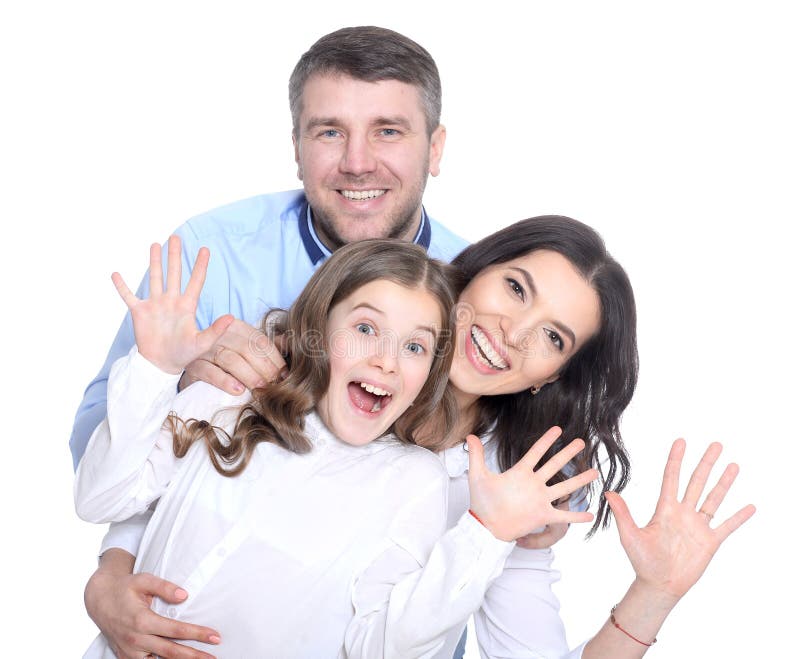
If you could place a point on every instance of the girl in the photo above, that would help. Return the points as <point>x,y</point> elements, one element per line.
<point>329,528</point>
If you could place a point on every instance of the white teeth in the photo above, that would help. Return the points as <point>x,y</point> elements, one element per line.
<point>358,195</point>
<point>375,390</point>
<point>487,354</point>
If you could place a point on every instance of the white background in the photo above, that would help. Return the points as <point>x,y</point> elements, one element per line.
<point>670,127</point>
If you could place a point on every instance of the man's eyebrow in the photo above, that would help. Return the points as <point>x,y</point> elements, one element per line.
<point>529,281</point>
<point>397,120</point>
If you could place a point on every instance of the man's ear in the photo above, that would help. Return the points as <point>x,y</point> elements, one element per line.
<point>296,146</point>
<point>436,149</point>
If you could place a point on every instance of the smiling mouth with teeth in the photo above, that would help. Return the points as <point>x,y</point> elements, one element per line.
<point>361,195</point>
<point>368,397</point>
<point>484,350</point>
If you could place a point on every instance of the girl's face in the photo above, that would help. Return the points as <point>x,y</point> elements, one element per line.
<point>381,341</point>
<point>519,322</point>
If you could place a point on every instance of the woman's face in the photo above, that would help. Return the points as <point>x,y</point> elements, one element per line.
<point>519,322</point>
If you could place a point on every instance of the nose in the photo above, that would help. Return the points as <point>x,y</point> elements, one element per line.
<point>519,331</point>
<point>358,157</point>
<point>384,355</point>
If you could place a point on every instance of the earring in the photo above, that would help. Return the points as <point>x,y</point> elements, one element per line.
<point>535,391</point>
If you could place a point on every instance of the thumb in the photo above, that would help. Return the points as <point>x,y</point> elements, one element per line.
<point>477,461</point>
<point>622,516</point>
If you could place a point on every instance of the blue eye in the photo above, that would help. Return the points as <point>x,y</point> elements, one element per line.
<point>555,339</point>
<point>330,133</point>
<point>365,328</point>
<point>389,132</point>
<point>415,348</point>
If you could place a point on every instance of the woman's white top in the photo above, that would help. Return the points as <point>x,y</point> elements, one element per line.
<point>338,552</point>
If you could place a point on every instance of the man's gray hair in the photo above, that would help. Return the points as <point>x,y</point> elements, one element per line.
<point>370,54</point>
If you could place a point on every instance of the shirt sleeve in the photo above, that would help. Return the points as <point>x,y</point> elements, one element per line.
<point>129,459</point>
<point>519,617</point>
<point>406,604</point>
<point>126,534</point>
<point>92,409</point>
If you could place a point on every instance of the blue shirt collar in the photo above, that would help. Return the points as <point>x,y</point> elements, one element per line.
<point>317,251</point>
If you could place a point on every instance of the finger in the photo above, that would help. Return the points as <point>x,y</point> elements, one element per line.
<point>547,538</point>
<point>477,462</point>
<point>198,277</point>
<point>156,274</point>
<point>148,585</point>
<point>622,516</point>
<point>204,370</point>
<point>209,336</point>
<point>264,355</point>
<point>539,448</point>
<point>734,522</point>
<point>672,472</point>
<point>560,459</point>
<point>577,517</point>
<point>179,630</point>
<point>716,496</point>
<point>166,649</point>
<point>124,292</point>
<point>699,477</point>
<point>237,366</point>
<point>174,265</point>
<point>570,485</point>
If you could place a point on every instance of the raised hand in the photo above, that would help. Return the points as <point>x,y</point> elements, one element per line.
<point>164,324</point>
<point>671,553</point>
<point>517,501</point>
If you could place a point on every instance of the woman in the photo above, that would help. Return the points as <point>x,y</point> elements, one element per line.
<point>558,348</point>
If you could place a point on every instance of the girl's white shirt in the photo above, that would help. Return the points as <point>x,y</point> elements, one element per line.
<point>338,552</point>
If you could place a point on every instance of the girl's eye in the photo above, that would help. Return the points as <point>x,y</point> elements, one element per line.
<point>416,348</point>
<point>516,288</point>
<point>555,339</point>
<point>365,328</point>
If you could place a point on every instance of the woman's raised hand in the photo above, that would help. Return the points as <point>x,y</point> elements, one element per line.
<point>671,553</point>
<point>164,324</point>
<point>517,501</point>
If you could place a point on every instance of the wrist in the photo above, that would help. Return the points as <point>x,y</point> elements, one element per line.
<point>656,597</point>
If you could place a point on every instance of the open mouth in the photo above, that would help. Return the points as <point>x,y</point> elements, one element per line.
<point>368,398</point>
<point>484,350</point>
<point>361,195</point>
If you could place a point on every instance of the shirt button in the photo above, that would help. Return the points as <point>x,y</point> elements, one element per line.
<point>172,612</point>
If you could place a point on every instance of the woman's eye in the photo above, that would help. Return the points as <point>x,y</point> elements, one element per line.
<point>555,339</point>
<point>516,288</point>
<point>365,328</point>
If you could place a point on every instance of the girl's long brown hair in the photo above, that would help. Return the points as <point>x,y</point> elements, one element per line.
<point>277,412</point>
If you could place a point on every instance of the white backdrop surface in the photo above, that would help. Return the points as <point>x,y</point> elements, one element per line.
<point>670,127</point>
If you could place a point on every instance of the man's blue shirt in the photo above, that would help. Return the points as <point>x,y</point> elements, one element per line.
<point>263,252</point>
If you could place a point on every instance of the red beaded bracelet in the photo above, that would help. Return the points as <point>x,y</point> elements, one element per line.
<point>628,634</point>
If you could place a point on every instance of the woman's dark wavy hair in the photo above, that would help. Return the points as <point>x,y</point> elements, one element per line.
<point>597,383</point>
<point>277,412</point>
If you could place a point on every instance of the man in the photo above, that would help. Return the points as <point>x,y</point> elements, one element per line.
<point>365,106</point>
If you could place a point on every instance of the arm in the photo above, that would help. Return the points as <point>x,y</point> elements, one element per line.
<point>668,555</point>
<point>404,609</point>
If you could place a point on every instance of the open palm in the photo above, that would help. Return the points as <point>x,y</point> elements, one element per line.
<point>673,550</point>
<point>164,324</point>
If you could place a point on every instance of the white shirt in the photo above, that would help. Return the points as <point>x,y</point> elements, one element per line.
<point>196,530</point>
<point>314,555</point>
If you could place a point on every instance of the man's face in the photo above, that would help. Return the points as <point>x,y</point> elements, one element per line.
<point>364,156</point>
